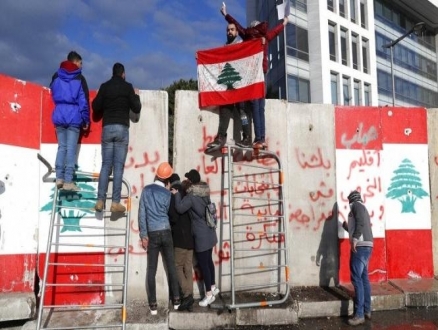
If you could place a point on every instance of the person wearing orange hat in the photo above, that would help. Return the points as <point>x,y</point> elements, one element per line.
<point>156,234</point>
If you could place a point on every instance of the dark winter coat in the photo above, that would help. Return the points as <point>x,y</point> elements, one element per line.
<point>194,202</point>
<point>114,100</point>
<point>70,94</point>
<point>359,225</point>
<point>258,31</point>
<point>180,223</point>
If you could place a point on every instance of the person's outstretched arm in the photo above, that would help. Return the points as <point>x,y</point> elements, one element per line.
<point>230,19</point>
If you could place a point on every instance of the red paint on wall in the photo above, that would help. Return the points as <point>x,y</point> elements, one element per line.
<point>17,272</point>
<point>376,268</point>
<point>20,102</point>
<point>409,253</point>
<point>75,276</point>
<point>404,126</point>
<point>358,128</point>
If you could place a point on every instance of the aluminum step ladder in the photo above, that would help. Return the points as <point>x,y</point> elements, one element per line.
<point>103,256</point>
<point>256,230</point>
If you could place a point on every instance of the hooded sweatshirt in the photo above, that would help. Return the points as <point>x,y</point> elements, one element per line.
<point>70,94</point>
<point>359,225</point>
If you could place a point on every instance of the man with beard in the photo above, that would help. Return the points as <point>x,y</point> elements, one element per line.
<point>237,109</point>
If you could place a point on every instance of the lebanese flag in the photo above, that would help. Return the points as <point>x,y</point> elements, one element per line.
<point>230,74</point>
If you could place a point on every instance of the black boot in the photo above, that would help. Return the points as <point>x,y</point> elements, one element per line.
<point>187,303</point>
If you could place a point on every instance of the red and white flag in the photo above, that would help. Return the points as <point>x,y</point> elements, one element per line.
<point>230,74</point>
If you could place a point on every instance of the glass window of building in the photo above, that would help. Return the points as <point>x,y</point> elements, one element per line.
<point>353,11</point>
<point>334,87</point>
<point>298,89</point>
<point>366,94</point>
<point>363,14</point>
<point>330,5</point>
<point>301,5</point>
<point>332,41</point>
<point>342,8</point>
<point>346,90</point>
<point>297,42</point>
<point>354,51</point>
<point>356,92</point>
<point>365,56</point>
<point>344,46</point>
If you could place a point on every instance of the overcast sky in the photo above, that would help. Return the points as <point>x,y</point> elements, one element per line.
<point>155,40</point>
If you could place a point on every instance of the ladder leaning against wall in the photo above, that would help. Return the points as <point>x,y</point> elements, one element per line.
<point>256,230</point>
<point>96,270</point>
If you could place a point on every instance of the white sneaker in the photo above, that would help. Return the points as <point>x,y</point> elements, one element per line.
<point>207,301</point>
<point>215,291</point>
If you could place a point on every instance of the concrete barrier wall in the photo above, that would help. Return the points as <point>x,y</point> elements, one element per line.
<point>325,152</point>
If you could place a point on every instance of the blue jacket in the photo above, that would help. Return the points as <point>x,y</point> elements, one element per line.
<point>70,95</point>
<point>153,209</point>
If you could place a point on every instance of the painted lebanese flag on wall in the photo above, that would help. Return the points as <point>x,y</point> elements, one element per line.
<point>230,74</point>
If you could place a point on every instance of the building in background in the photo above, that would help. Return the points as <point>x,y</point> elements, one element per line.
<point>331,52</point>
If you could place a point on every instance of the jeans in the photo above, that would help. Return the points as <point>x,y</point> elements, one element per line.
<point>205,262</point>
<point>115,139</point>
<point>359,278</point>
<point>258,117</point>
<point>160,241</point>
<point>66,156</point>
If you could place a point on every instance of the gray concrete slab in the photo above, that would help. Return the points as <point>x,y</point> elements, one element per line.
<point>17,306</point>
<point>418,292</point>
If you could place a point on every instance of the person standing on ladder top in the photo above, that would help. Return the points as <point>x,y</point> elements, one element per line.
<point>227,111</point>
<point>113,102</point>
<point>69,92</point>
<point>257,30</point>
<point>156,235</point>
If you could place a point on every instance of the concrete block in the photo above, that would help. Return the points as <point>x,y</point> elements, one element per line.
<point>421,292</point>
<point>201,319</point>
<point>267,316</point>
<point>17,306</point>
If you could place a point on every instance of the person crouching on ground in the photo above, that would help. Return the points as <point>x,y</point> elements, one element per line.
<point>155,233</point>
<point>195,201</point>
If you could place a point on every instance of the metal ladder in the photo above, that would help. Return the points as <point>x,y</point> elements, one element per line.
<point>257,227</point>
<point>58,267</point>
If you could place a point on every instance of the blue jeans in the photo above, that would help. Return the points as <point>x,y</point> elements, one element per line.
<point>66,156</point>
<point>160,241</point>
<point>258,117</point>
<point>359,278</point>
<point>115,139</point>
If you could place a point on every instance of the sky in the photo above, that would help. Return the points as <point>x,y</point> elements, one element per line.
<point>156,40</point>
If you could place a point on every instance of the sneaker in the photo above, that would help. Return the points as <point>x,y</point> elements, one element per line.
<point>71,186</point>
<point>99,206</point>
<point>153,308</point>
<point>207,301</point>
<point>176,303</point>
<point>215,291</point>
<point>368,316</point>
<point>59,183</point>
<point>245,143</point>
<point>186,303</point>
<point>117,207</point>
<point>356,320</point>
<point>218,141</point>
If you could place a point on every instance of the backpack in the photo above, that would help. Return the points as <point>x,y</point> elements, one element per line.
<point>210,214</point>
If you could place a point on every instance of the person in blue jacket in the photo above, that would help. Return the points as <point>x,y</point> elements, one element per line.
<point>71,114</point>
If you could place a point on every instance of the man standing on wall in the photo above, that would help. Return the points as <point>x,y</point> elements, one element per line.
<point>114,100</point>
<point>227,111</point>
<point>156,235</point>
<point>69,92</point>
<point>361,242</point>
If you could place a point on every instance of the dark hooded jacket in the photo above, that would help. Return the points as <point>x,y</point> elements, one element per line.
<point>70,94</point>
<point>180,223</point>
<point>258,31</point>
<point>195,202</point>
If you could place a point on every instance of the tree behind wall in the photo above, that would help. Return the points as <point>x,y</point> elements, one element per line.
<point>191,85</point>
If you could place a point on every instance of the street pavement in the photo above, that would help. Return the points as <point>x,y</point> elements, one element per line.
<point>396,304</point>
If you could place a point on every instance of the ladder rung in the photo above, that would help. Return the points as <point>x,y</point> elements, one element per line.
<point>66,308</point>
<point>93,235</point>
<point>89,245</point>
<point>84,265</point>
<point>261,267</point>
<point>82,284</point>
<point>87,327</point>
<point>257,231</point>
<point>259,286</point>
<point>272,250</point>
<point>89,227</point>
